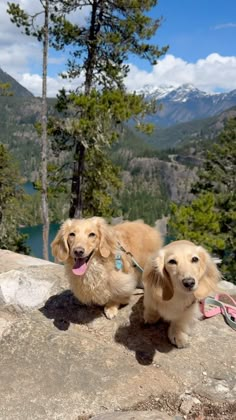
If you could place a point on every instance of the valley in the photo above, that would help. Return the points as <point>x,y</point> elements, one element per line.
<point>155,169</point>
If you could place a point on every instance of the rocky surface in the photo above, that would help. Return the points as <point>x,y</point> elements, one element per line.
<point>62,360</point>
<point>133,415</point>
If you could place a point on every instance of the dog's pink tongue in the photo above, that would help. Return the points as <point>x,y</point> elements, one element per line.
<point>80,267</point>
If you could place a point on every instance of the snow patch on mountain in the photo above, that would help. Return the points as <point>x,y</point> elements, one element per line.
<point>176,94</point>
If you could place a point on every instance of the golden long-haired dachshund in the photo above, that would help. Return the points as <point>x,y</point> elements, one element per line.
<point>179,275</point>
<point>99,259</point>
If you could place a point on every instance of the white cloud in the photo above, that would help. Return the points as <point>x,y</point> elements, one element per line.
<point>17,50</point>
<point>210,74</point>
<point>33,82</point>
<point>225,25</point>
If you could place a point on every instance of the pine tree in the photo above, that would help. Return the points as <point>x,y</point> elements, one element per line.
<point>99,52</point>
<point>198,222</point>
<point>10,196</point>
<point>211,218</point>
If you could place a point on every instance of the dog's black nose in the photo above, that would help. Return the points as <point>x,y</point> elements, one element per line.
<point>79,252</point>
<point>189,282</point>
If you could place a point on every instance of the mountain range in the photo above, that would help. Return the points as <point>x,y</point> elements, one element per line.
<point>186,103</point>
<point>189,117</point>
<point>177,104</point>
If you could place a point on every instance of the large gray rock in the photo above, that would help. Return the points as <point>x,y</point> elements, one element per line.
<point>27,282</point>
<point>23,290</point>
<point>227,287</point>
<point>65,360</point>
<point>11,260</point>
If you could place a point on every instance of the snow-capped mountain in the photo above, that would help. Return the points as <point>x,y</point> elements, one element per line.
<point>179,93</point>
<point>157,92</point>
<point>186,103</point>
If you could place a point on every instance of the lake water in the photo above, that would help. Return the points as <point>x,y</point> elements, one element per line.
<point>35,233</point>
<point>29,189</point>
<point>35,241</point>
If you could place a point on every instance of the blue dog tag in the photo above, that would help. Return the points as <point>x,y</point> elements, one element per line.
<point>118,262</point>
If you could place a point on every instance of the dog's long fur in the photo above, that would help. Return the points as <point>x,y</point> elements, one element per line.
<point>102,283</point>
<point>166,296</point>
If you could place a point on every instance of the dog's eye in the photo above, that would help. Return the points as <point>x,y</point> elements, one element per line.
<point>172,262</point>
<point>195,259</point>
<point>92,235</point>
<point>72,234</point>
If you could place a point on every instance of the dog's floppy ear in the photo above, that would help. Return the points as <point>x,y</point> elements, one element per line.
<point>156,277</point>
<point>106,241</point>
<point>59,246</point>
<point>211,275</point>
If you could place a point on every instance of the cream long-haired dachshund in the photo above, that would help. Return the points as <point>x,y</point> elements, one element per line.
<point>99,259</point>
<point>175,279</point>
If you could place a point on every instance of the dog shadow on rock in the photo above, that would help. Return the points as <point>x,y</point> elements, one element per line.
<point>143,339</point>
<point>64,308</point>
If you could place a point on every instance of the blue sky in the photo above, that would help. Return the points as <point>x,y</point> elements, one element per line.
<point>201,35</point>
<point>194,29</point>
<point>190,27</point>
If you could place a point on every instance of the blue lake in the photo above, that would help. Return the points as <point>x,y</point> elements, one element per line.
<point>35,240</point>
<point>29,189</point>
<point>35,233</point>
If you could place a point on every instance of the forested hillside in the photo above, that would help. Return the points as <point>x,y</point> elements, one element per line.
<point>194,133</point>
<point>147,173</point>
<point>155,169</point>
<point>152,175</point>
<point>18,133</point>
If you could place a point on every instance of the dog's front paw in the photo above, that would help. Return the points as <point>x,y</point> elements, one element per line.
<point>111,311</point>
<point>179,338</point>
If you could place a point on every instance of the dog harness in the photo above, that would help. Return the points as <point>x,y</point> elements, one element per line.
<point>118,260</point>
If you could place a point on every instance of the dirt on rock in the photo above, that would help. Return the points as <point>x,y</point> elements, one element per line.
<point>171,404</point>
<point>204,410</point>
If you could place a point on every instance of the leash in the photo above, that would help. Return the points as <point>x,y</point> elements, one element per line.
<point>119,263</point>
<point>219,307</point>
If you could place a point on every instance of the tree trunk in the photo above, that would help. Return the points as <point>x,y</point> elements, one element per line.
<point>76,203</point>
<point>91,60</point>
<point>44,140</point>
